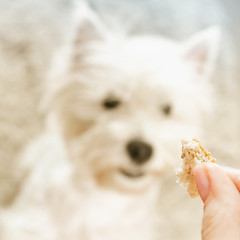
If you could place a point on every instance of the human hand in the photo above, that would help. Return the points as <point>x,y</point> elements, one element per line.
<point>219,188</point>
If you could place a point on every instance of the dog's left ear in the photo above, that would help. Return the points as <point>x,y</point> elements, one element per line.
<point>201,50</point>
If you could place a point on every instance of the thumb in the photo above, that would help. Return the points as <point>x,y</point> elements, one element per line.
<point>221,217</point>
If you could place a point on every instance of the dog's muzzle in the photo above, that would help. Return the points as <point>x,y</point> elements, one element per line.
<point>139,152</point>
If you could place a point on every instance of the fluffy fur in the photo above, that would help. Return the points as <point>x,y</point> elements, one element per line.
<point>106,92</point>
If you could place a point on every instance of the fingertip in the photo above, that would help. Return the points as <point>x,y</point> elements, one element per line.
<point>221,184</point>
<point>202,181</point>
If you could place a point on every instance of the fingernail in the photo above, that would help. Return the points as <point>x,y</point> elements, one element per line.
<point>202,181</point>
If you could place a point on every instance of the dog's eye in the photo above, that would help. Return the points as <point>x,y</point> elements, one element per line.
<point>167,109</point>
<point>111,103</point>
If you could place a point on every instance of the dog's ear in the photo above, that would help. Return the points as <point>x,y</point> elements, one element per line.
<point>87,31</point>
<point>88,27</point>
<point>201,50</point>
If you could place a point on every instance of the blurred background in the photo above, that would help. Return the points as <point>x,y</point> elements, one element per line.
<point>31,31</point>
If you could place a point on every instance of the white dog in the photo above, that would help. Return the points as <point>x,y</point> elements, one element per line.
<point>117,107</point>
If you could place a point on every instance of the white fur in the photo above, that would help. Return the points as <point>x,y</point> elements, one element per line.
<point>75,188</point>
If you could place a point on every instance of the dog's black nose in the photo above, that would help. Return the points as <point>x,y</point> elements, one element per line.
<point>139,151</point>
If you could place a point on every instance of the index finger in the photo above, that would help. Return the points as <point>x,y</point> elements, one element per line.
<point>234,175</point>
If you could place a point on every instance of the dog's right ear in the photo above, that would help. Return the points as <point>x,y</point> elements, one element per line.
<point>88,27</point>
<point>88,30</point>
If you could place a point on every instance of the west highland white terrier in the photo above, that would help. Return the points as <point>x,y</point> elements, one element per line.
<point>117,107</point>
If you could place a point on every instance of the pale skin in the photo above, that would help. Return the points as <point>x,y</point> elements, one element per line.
<point>219,188</point>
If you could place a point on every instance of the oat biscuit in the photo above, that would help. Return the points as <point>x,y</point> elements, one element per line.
<point>193,154</point>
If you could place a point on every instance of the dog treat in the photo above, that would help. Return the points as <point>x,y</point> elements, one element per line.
<point>193,154</point>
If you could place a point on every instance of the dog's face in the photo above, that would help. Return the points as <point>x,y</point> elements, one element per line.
<point>125,104</point>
